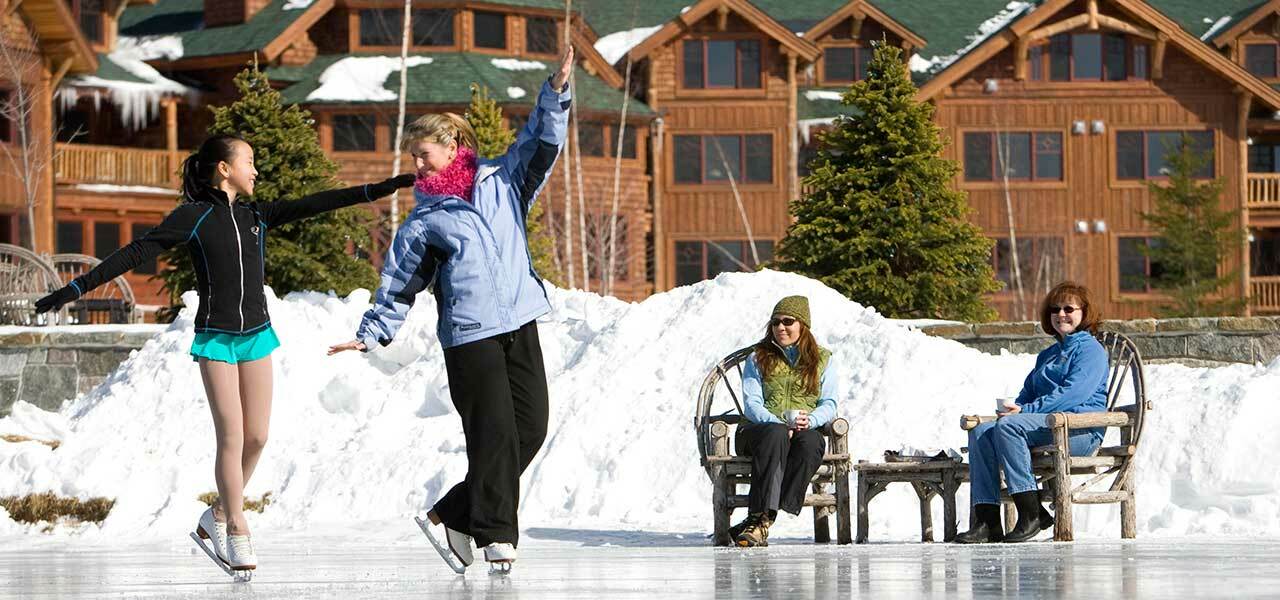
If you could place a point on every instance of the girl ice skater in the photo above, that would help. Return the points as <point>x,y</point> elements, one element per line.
<point>465,240</point>
<point>226,238</point>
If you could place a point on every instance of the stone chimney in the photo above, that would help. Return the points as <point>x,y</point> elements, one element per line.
<point>218,13</point>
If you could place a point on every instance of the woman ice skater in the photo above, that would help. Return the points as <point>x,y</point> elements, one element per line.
<point>465,239</point>
<point>226,237</point>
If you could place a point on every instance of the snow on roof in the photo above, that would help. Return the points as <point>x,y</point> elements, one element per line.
<point>361,78</point>
<point>137,101</point>
<point>513,64</point>
<point>516,92</point>
<point>823,95</point>
<point>296,4</point>
<point>616,45</point>
<point>986,29</point>
<point>1217,25</point>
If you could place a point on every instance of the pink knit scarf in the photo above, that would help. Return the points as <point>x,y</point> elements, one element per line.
<point>457,179</point>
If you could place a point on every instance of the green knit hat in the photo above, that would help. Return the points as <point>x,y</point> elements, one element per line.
<point>794,306</point>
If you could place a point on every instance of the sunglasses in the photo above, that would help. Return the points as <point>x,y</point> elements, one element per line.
<point>1068,309</point>
<point>784,321</point>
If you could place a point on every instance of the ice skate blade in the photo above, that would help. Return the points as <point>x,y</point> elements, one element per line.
<point>444,552</point>
<point>500,568</point>
<point>239,576</point>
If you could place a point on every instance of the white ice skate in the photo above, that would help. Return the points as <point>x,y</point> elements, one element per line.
<point>210,529</point>
<point>238,576</point>
<point>456,551</point>
<point>501,558</point>
<point>240,554</point>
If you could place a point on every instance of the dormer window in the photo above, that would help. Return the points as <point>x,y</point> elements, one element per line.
<point>1089,57</point>
<point>845,64</point>
<point>384,26</point>
<point>490,30</point>
<point>540,36</point>
<point>721,64</point>
<point>1260,59</point>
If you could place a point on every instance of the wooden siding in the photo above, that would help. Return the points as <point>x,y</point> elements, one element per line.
<point>15,34</point>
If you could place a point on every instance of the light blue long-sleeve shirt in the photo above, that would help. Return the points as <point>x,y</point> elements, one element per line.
<point>1070,376</point>
<point>753,391</point>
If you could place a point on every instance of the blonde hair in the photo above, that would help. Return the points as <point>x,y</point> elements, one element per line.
<point>440,128</point>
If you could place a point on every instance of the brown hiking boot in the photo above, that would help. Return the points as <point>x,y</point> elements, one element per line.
<point>756,532</point>
<point>737,530</point>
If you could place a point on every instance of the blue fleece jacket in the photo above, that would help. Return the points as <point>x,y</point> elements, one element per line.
<point>753,391</point>
<point>1070,376</point>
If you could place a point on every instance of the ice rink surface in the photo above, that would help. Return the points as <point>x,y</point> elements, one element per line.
<point>656,567</point>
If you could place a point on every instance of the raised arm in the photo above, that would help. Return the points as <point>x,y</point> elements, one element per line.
<point>177,228</point>
<point>538,143</point>
<point>278,213</point>
<point>409,268</point>
<point>753,394</point>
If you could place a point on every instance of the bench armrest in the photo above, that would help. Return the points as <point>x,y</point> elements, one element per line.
<point>968,422</point>
<point>1071,420</point>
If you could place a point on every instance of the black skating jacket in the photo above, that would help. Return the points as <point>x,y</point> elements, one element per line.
<point>227,242</point>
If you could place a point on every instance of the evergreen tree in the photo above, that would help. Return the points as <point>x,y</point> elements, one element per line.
<point>311,254</point>
<point>494,137</point>
<point>883,224</point>
<point>1196,234</point>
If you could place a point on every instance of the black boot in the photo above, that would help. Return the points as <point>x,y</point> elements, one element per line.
<point>1029,508</point>
<point>986,527</point>
<point>1046,519</point>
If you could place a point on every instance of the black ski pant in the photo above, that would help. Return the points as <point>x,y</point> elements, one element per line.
<point>781,466</point>
<point>499,387</point>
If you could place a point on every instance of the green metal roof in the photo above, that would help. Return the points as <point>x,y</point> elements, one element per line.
<point>185,18</point>
<point>445,82</point>
<point>1199,17</point>
<point>111,71</point>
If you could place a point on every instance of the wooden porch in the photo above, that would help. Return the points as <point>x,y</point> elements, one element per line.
<point>1264,190</point>
<point>1264,296</point>
<point>116,165</point>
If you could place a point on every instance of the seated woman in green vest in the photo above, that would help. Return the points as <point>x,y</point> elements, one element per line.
<point>789,392</point>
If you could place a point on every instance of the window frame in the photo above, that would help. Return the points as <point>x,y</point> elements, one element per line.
<point>1129,182</point>
<point>1275,57</point>
<point>1038,241</point>
<point>736,89</point>
<point>333,137</point>
<point>555,35</point>
<point>1118,292</point>
<point>1021,183</point>
<point>858,71</point>
<point>358,44</point>
<point>475,29</point>
<point>1042,73</point>
<point>741,182</point>
<point>705,247</point>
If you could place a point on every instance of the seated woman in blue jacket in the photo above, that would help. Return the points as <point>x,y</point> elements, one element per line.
<point>1070,376</point>
<point>465,240</point>
<point>789,392</point>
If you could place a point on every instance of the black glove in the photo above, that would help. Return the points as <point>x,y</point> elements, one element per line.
<point>55,300</point>
<point>387,187</point>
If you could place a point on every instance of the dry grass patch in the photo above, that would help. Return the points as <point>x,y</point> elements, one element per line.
<point>15,439</point>
<point>250,504</point>
<point>34,508</point>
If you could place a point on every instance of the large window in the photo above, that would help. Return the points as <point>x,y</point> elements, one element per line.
<point>1090,57</point>
<point>698,261</point>
<point>1260,59</point>
<point>598,226</point>
<point>136,231</point>
<point>1264,253</point>
<point>628,141</point>
<point>1264,158</point>
<point>490,30</point>
<point>69,237</point>
<point>715,158</point>
<point>384,26</point>
<point>106,238</point>
<point>355,133</point>
<point>540,35</point>
<point>1137,270</point>
<point>1142,154</point>
<point>1025,156</point>
<point>721,64</point>
<point>1041,262</point>
<point>845,64</point>
<point>591,138</point>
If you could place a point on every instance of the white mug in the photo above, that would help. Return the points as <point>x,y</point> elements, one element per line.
<point>1004,405</point>
<point>790,416</point>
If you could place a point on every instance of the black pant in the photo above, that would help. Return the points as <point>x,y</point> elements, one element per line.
<point>781,466</point>
<point>499,387</point>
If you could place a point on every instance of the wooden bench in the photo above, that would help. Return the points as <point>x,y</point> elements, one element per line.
<point>727,471</point>
<point>1109,466</point>
<point>930,479</point>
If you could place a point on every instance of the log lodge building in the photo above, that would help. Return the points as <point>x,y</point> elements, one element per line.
<point>1074,100</point>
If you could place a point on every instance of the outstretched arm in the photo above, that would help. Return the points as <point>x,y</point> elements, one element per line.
<point>538,143</point>
<point>286,211</point>
<point>408,269</point>
<point>178,227</point>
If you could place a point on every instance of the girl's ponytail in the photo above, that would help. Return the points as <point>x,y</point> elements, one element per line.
<point>198,169</point>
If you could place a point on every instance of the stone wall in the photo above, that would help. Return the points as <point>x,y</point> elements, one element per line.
<point>48,366</point>
<point>1204,341</point>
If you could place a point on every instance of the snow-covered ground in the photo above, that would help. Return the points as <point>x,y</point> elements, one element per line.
<point>372,438</point>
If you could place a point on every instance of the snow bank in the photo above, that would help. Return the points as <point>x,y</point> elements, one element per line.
<point>616,45</point>
<point>361,78</point>
<point>986,29</point>
<point>374,438</point>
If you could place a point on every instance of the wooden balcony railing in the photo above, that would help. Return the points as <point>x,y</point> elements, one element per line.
<point>116,165</point>
<point>1265,294</point>
<point>1264,190</point>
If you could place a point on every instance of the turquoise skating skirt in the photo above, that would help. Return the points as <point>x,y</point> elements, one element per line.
<point>233,348</point>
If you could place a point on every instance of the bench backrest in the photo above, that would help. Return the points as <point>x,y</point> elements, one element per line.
<point>24,277</point>
<point>1126,383</point>
<point>116,295</point>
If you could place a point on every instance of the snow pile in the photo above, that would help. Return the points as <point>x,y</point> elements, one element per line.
<point>986,29</point>
<point>516,92</point>
<point>616,45</point>
<point>832,95</point>
<point>374,438</point>
<point>515,64</point>
<point>361,78</point>
<point>137,102</point>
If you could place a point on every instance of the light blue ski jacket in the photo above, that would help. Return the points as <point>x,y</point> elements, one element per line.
<point>474,255</point>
